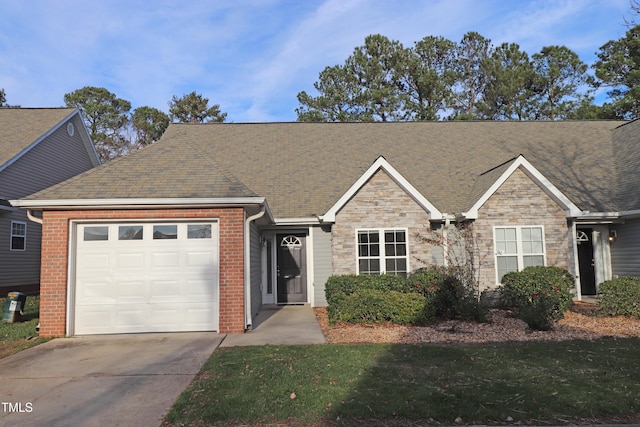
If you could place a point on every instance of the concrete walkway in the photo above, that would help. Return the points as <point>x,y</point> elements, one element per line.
<point>275,325</point>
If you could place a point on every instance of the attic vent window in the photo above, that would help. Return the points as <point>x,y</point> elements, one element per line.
<point>71,129</point>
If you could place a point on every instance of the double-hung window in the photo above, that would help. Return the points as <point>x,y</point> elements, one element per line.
<point>382,251</point>
<point>518,247</point>
<point>18,236</point>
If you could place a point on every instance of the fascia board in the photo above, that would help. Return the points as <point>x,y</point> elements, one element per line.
<point>534,174</point>
<point>134,203</point>
<point>297,221</point>
<point>381,163</point>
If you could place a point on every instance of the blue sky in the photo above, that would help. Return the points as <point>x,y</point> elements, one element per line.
<point>253,56</point>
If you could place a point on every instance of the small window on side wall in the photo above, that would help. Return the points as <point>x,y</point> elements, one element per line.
<point>18,236</point>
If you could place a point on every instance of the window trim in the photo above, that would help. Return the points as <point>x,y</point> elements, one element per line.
<point>520,254</point>
<point>23,236</point>
<point>381,242</point>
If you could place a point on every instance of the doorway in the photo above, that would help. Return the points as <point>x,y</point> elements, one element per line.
<point>291,268</point>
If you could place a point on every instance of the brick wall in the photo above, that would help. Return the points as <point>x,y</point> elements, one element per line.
<point>380,203</point>
<point>519,201</point>
<point>55,250</point>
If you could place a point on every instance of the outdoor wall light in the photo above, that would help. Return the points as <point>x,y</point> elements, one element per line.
<point>613,235</point>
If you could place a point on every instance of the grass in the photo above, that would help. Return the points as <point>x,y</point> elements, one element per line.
<point>15,337</point>
<point>382,384</point>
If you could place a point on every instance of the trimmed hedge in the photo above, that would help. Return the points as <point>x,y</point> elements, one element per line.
<point>374,306</point>
<point>417,300</point>
<point>539,294</point>
<point>620,296</point>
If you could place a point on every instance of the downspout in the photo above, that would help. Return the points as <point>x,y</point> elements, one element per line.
<point>33,218</point>
<point>247,266</point>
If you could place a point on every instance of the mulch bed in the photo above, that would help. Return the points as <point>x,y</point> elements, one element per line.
<point>580,322</point>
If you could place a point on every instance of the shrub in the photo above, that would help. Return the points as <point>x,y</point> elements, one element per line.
<point>375,306</point>
<point>539,294</point>
<point>451,298</point>
<point>620,296</point>
<point>337,287</point>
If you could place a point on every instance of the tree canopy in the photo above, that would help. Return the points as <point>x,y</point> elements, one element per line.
<point>116,132</point>
<point>438,79</point>
<point>194,108</point>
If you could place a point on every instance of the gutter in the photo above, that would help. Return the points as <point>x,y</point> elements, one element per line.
<point>247,266</point>
<point>32,217</point>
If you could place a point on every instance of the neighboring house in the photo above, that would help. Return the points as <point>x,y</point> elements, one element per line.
<point>39,147</point>
<point>200,229</point>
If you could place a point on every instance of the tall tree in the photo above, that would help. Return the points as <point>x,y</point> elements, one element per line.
<point>507,91</point>
<point>471,54</point>
<point>618,68</point>
<point>149,124</point>
<point>194,108</point>
<point>3,97</point>
<point>559,75</point>
<point>426,79</point>
<point>365,88</point>
<point>376,65</point>
<point>106,117</point>
<point>339,99</point>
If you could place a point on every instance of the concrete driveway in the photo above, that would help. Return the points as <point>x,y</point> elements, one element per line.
<point>115,380</point>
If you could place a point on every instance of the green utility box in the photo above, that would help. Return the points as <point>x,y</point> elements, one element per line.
<point>14,306</point>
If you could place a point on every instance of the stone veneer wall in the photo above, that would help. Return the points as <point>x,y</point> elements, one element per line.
<point>519,201</point>
<point>380,203</point>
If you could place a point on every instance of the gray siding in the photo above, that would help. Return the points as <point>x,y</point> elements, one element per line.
<point>256,270</point>
<point>322,267</point>
<point>55,159</point>
<point>625,251</point>
<point>19,267</point>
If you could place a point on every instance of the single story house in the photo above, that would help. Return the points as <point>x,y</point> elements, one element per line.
<point>39,147</point>
<point>199,230</point>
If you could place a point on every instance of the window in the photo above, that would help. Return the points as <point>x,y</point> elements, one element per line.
<point>18,236</point>
<point>96,233</point>
<point>382,252</point>
<point>130,232</point>
<point>199,231</point>
<point>161,232</point>
<point>517,248</point>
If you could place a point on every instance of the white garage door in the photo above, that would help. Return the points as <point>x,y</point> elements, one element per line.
<point>146,277</point>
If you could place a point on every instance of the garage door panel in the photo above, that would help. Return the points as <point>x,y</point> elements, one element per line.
<point>134,260</point>
<point>128,282</point>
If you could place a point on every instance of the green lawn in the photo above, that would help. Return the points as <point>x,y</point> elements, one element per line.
<point>382,384</point>
<point>18,336</point>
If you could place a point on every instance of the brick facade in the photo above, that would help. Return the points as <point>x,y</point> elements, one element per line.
<point>55,252</point>
<point>380,203</point>
<point>519,201</point>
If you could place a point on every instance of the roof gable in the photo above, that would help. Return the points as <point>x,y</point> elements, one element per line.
<point>382,164</point>
<point>21,129</point>
<point>505,171</point>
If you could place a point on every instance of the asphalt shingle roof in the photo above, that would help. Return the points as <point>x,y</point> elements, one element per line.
<point>304,168</point>
<point>20,127</point>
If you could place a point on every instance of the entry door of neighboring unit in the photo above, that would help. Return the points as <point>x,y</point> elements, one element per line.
<point>586,262</point>
<point>292,275</point>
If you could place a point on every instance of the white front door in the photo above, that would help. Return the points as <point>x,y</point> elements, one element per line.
<point>146,277</point>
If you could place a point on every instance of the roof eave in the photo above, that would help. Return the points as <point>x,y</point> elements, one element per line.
<point>135,203</point>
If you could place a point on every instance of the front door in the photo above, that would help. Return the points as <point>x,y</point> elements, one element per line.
<point>586,262</point>
<point>292,274</point>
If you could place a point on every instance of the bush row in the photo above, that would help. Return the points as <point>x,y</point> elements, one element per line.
<point>418,300</point>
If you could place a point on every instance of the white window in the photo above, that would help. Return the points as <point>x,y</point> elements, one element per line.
<point>18,236</point>
<point>382,251</point>
<point>518,247</point>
